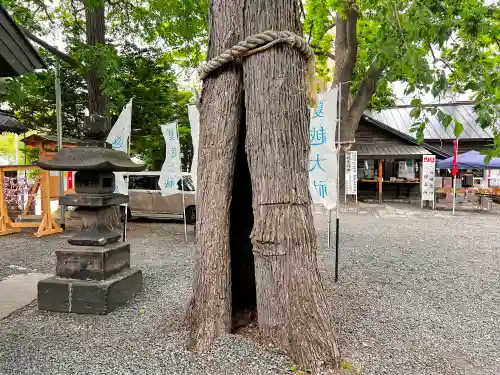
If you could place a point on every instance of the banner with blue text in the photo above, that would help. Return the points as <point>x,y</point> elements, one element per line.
<point>170,174</point>
<point>323,153</point>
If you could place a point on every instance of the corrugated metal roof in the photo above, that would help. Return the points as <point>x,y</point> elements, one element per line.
<point>399,118</point>
<point>392,150</point>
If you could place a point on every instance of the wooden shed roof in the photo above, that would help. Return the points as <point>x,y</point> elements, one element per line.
<point>45,138</point>
<point>10,124</point>
<point>17,55</point>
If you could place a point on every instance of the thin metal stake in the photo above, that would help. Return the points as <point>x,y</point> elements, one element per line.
<point>182,188</point>
<point>337,223</point>
<point>337,219</point>
<point>329,228</point>
<point>62,209</point>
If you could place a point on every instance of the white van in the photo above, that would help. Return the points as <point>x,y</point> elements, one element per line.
<point>145,199</point>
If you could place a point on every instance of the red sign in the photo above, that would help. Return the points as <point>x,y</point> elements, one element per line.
<point>454,171</point>
<point>70,180</point>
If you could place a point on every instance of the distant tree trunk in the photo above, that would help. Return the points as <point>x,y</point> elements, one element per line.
<point>266,199</point>
<point>95,30</point>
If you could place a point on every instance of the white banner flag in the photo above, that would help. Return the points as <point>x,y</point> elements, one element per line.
<point>118,137</point>
<point>171,171</point>
<point>323,154</point>
<point>194,121</point>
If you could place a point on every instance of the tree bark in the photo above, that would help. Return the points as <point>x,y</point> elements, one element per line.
<point>95,28</point>
<point>291,304</point>
<point>209,312</point>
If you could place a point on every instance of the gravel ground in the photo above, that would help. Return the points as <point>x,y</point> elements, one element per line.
<point>418,294</point>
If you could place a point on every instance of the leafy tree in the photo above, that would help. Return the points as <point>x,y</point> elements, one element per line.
<point>433,46</point>
<point>126,71</point>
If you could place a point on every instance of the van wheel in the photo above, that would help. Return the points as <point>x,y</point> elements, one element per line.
<point>191,215</point>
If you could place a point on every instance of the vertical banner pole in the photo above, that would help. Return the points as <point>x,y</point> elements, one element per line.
<point>125,217</point>
<point>337,219</point>
<point>59,137</point>
<point>329,229</point>
<point>454,192</point>
<point>455,153</point>
<point>182,187</point>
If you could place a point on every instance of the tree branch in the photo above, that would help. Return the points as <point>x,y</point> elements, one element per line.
<point>330,26</point>
<point>52,49</point>
<point>321,53</point>
<point>352,38</point>
<point>445,63</point>
<point>497,41</point>
<point>366,90</point>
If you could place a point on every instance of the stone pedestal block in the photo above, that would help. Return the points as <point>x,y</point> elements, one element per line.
<point>100,226</point>
<point>89,296</point>
<point>90,262</point>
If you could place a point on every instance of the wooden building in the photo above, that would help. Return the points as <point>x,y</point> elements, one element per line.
<point>473,136</point>
<point>393,155</point>
<point>47,144</point>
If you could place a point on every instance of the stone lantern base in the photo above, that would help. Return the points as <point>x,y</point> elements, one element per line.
<point>89,296</point>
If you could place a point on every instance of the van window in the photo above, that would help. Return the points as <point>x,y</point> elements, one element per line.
<point>137,183</point>
<point>188,184</point>
<point>143,183</point>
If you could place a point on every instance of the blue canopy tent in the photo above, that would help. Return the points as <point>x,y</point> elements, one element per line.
<point>469,160</point>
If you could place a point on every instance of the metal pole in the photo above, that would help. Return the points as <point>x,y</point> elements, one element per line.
<point>125,218</point>
<point>454,192</point>
<point>337,218</point>
<point>59,138</point>
<point>182,188</point>
<point>329,229</point>
<point>16,146</point>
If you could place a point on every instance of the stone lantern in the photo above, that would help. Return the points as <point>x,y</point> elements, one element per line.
<point>93,273</point>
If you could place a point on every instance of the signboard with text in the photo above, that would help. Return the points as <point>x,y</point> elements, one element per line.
<point>428,177</point>
<point>351,172</point>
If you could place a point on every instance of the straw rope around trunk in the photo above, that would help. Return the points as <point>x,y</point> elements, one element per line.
<point>261,42</point>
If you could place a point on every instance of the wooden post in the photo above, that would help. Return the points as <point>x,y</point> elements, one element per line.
<point>48,224</point>
<point>380,181</point>
<point>5,221</point>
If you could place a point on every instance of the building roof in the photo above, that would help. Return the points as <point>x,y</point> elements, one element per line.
<point>399,119</point>
<point>10,124</point>
<point>408,137</point>
<point>17,55</point>
<point>390,150</point>
<point>45,138</point>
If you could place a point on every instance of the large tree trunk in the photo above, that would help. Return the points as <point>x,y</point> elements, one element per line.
<point>221,103</point>
<point>291,304</point>
<point>95,30</point>
<point>269,192</point>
